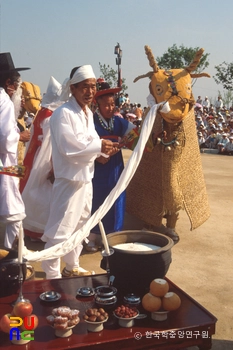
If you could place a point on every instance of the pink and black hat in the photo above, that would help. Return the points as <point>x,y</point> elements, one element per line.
<point>103,88</point>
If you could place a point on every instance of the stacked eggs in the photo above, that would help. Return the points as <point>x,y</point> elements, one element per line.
<point>159,297</point>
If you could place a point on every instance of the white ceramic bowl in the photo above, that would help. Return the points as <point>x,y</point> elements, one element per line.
<point>21,341</point>
<point>64,333</point>
<point>95,326</point>
<point>126,322</point>
<point>159,315</point>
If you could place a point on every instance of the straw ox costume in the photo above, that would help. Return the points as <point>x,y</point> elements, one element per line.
<point>170,178</point>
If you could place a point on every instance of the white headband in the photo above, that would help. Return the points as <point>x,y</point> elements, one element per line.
<point>81,74</point>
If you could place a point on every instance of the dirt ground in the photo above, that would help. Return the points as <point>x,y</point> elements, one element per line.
<point>202,262</point>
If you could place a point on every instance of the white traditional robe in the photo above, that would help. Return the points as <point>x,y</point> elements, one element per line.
<point>75,143</point>
<point>75,146</point>
<point>11,204</point>
<point>37,192</point>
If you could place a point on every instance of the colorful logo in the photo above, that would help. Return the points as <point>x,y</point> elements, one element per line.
<point>27,330</point>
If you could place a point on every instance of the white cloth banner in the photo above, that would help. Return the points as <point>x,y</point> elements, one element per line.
<point>65,247</point>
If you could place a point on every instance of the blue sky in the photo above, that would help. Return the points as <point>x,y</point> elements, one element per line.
<point>53,36</point>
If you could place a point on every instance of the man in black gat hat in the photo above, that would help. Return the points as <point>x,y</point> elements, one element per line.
<point>12,210</point>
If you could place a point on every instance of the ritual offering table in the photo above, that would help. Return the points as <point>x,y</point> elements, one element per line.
<point>190,325</point>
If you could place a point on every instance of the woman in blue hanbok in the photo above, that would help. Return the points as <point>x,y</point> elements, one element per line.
<point>108,170</point>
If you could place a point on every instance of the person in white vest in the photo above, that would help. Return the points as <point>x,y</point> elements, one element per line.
<point>75,146</point>
<point>218,104</point>
<point>228,148</point>
<point>206,103</point>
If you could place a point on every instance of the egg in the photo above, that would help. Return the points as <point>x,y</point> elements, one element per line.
<point>159,287</point>
<point>151,303</point>
<point>171,301</point>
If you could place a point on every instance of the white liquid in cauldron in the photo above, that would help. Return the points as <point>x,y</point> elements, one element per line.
<point>136,246</point>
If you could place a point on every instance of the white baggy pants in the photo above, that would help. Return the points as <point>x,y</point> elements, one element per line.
<point>70,208</point>
<point>13,223</point>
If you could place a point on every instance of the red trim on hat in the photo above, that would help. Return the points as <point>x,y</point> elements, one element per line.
<point>107,91</point>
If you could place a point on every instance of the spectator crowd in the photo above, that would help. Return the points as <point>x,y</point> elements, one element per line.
<point>214,122</point>
<point>214,125</point>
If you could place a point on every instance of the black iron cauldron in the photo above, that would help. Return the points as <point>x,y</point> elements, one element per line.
<point>9,274</point>
<point>134,270</point>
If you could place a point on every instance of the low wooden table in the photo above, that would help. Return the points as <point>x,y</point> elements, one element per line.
<point>190,325</point>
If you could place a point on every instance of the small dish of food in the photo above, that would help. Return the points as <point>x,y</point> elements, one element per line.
<point>126,315</point>
<point>63,320</point>
<point>95,319</point>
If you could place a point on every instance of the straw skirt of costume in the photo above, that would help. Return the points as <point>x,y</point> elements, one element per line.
<point>106,175</point>
<point>168,181</point>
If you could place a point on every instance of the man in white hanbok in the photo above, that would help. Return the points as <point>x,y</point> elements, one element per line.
<point>75,146</point>
<point>12,210</point>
